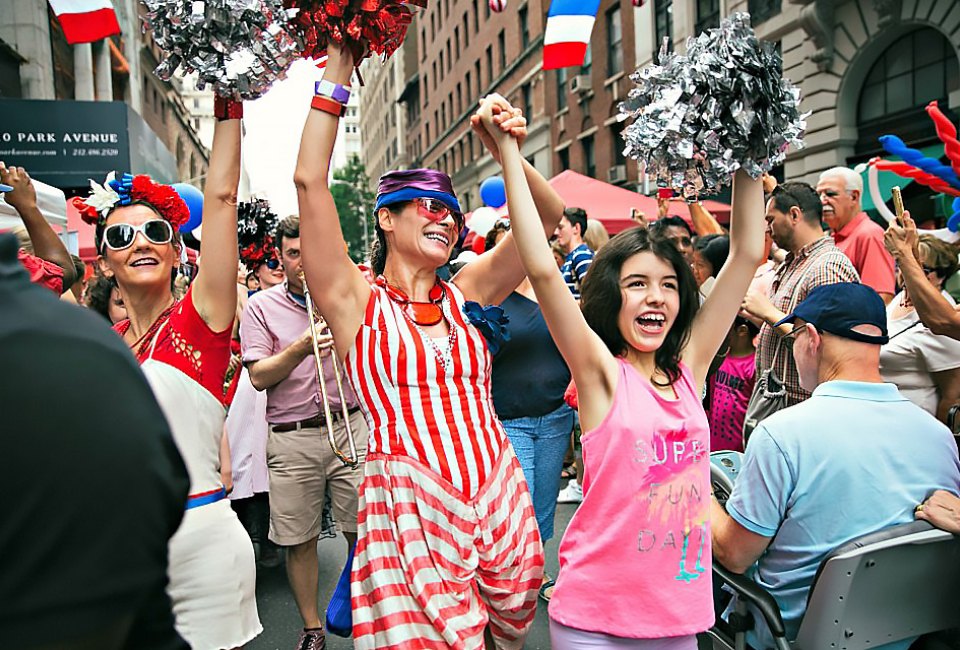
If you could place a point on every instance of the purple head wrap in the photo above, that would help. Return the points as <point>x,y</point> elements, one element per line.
<point>409,184</point>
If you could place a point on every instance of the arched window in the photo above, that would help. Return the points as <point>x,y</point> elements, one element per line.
<point>918,68</point>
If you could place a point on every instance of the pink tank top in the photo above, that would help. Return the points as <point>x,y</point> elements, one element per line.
<point>638,546</point>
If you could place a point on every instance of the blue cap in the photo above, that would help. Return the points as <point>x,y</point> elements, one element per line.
<point>839,308</point>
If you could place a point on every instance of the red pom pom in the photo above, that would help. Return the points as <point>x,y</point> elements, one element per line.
<point>364,26</point>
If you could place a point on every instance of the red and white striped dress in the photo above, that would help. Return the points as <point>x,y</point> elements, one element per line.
<point>447,536</point>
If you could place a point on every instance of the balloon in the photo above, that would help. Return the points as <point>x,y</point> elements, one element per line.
<point>194,200</point>
<point>947,133</point>
<point>493,192</point>
<point>874,188</point>
<point>497,6</point>
<point>895,147</point>
<point>482,220</point>
<point>953,223</point>
<point>907,170</point>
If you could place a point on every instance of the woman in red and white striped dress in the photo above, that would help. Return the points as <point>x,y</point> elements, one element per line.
<point>448,545</point>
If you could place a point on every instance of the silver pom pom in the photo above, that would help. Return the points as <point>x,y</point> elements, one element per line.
<point>239,47</point>
<point>722,106</point>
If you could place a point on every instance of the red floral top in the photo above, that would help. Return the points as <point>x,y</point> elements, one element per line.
<point>188,344</point>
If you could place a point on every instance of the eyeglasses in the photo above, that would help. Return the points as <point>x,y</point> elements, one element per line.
<point>437,210</point>
<point>119,236</point>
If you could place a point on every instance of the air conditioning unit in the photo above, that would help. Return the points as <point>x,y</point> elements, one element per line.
<point>580,84</point>
<point>617,174</point>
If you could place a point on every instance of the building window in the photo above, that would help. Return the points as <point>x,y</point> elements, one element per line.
<point>564,156</point>
<point>663,20</point>
<point>486,10</point>
<point>441,62</point>
<point>762,10</point>
<point>466,31</point>
<point>459,99</point>
<point>914,71</point>
<point>435,73</point>
<point>466,85</point>
<point>708,15</point>
<point>527,96</point>
<point>614,42</point>
<point>426,89</point>
<point>489,65</point>
<point>589,159</point>
<point>524,27</point>
<point>433,27</point>
<point>423,39</point>
<point>561,88</point>
<point>456,41</point>
<point>617,143</point>
<point>502,41</point>
<point>476,70</point>
<point>449,58</point>
<point>476,17</point>
<point>587,61</point>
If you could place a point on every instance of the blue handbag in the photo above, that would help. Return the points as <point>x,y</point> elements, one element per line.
<point>339,618</point>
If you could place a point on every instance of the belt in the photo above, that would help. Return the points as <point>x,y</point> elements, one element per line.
<point>311,423</point>
<point>204,498</point>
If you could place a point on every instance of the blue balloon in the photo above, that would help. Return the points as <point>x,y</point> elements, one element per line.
<point>493,192</point>
<point>953,223</point>
<point>194,200</point>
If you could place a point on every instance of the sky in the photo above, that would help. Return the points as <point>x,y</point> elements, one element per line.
<point>274,124</point>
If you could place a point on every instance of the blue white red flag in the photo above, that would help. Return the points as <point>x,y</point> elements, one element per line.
<point>569,23</point>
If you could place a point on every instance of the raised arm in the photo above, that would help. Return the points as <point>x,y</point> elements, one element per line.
<point>587,357</point>
<point>337,286</point>
<point>704,223</point>
<point>46,245</point>
<point>215,289</point>
<point>492,277</point>
<point>747,225</point>
<point>933,309</point>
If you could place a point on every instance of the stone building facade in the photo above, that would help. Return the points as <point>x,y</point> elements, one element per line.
<point>865,67</point>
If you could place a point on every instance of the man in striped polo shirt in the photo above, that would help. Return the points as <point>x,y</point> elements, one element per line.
<point>569,234</point>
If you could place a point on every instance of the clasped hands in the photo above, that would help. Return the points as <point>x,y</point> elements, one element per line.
<point>496,121</point>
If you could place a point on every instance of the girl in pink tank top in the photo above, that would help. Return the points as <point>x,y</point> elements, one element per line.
<point>635,559</point>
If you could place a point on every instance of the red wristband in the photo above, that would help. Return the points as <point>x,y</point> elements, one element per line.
<point>226,108</point>
<point>328,105</point>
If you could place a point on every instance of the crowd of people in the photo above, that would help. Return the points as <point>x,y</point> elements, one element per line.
<point>439,455</point>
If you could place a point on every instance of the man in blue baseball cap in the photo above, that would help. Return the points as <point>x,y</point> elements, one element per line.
<point>810,478</point>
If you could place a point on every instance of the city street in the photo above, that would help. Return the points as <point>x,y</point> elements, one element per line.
<point>278,613</point>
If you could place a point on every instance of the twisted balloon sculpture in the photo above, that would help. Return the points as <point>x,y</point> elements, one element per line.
<point>927,171</point>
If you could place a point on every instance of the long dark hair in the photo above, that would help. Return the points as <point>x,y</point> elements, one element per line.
<point>601,300</point>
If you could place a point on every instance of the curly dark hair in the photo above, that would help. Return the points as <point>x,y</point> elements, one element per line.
<point>601,300</point>
<point>99,288</point>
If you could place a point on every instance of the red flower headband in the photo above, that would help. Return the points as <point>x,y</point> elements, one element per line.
<point>129,189</point>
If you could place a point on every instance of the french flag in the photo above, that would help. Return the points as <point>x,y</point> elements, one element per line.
<point>569,23</point>
<point>86,21</point>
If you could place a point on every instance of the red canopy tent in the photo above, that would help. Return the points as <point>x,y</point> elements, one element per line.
<point>612,205</point>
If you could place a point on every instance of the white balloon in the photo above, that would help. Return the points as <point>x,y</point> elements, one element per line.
<point>482,220</point>
<point>945,234</point>
<point>878,203</point>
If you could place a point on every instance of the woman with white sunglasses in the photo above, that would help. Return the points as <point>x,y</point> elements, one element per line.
<point>184,349</point>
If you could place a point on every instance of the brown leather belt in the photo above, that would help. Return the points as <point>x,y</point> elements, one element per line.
<point>311,423</point>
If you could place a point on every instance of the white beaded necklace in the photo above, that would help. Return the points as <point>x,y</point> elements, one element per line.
<point>444,355</point>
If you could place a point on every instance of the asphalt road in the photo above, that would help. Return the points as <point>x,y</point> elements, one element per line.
<point>281,622</point>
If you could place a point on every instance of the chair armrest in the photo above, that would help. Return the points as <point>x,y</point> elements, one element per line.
<point>756,596</point>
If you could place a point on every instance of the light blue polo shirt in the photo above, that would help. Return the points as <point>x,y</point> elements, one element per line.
<point>855,458</point>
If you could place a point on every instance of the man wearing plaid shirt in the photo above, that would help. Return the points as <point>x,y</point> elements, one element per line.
<point>793,221</point>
